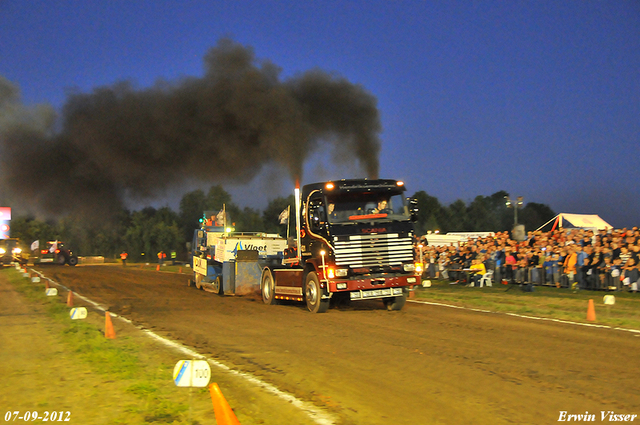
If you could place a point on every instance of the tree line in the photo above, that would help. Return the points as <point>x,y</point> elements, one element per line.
<point>142,234</point>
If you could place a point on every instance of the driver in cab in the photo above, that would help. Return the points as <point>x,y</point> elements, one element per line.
<point>382,208</point>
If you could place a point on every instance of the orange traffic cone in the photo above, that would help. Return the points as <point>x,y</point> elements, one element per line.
<point>108,326</point>
<point>158,268</point>
<point>180,270</point>
<point>46,285</point>
<point>224,414</point>
<point>70,299</point>
<point>591,312</point>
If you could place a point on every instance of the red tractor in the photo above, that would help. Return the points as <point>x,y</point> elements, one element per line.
<point>55,253</point>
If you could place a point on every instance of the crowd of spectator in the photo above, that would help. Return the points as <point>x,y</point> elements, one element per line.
<point>564,258</point>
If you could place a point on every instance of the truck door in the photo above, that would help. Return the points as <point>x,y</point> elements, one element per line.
<point>318,224</point>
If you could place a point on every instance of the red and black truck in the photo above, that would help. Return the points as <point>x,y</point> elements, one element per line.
<point>355,241</point>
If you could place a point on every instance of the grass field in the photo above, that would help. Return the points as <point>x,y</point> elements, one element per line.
<point>563,304</point>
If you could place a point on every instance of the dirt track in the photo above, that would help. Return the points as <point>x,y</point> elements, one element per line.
<point>422,365</point>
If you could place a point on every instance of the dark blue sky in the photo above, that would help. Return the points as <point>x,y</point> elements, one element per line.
<point>538,98</point>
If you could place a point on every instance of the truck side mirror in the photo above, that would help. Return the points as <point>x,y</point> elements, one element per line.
<point>413,209</point>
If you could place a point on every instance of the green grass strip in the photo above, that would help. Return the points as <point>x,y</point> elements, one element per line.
<point>548,302</point>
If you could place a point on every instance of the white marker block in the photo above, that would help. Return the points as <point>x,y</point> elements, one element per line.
<point>609,300</point>
<point>25,275</point>
<point>78,313</point>
<point>51,292</point>
<point>192,373</point>
<point>35,279</point>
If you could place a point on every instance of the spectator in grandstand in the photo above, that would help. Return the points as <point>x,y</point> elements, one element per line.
<point>520,270</point>
<point>509,264</point>
<point>635,253</point>
<point>615,250</point>
<point>570,266</point>
<point>624,254</point>
<point>552,268</point>
<point>534,265</point>
<point>477,270</point>
<point>581,255</point>
<point>630,275</point>
<point>616,273</point>
<point>604,273</point>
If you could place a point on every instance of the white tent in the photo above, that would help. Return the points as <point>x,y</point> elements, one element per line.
<point>584,221</point>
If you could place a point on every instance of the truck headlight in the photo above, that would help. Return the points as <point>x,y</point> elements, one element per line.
<point>2,251</point>
<point>409,267</point>
<point>342,272</point>
<point>418,267</point>
<point>16,250</point>
<point>342,285</point>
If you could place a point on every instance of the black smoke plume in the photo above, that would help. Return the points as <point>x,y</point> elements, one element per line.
<point>119,142</point>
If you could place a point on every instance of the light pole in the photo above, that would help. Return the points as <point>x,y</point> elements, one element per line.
<point>515,207</point>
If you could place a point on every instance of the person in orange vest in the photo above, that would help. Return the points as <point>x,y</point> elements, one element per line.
<point>161,257</point>
<point>123,257</point>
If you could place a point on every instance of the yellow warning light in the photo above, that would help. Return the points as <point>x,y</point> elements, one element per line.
<point>399,183</point>
<point>329,186</point>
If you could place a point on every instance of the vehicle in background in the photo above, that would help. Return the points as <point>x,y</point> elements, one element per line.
<point>11,252</point>
<point>228,262</point>
<point>55,252</point>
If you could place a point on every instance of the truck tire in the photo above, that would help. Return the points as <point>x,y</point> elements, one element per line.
<point>198,279</point>
<point>217,286</point>
<point>73,260</point>
<point>313,294</point>
<point>61,260</point>
<point>395,303</point>
<point>268,288</point>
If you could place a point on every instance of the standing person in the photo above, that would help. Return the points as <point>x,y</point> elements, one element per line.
<point>161,257</point>
<point>570,262</point>
<point>123,257</point>
<point>533,263</point>
<point>510,265</point>
<point>551,268</point>
<point>581,256</point>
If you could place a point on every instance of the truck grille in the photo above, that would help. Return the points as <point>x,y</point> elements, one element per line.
<point>373,250</point>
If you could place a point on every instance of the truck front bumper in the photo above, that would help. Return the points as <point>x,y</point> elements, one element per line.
<point>374,287</point>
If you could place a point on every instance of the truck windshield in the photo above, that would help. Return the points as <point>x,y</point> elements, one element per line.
<point>350,207</point>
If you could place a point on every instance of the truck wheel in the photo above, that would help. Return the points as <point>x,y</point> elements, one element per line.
<point>198,281</point>
<point>217,286</point>
<point>395,303</point>
<point>61,260</point>
<point>73,260</point>
<point>313,294</point>
<point>268,288</point>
